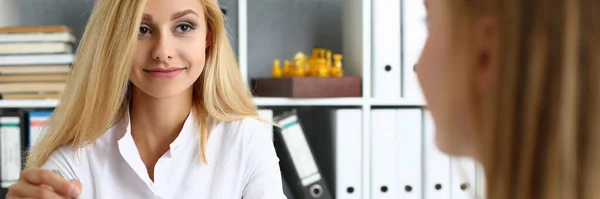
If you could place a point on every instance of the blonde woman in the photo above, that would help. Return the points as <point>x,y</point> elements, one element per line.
<point>516,85</point>
<point>155,108</point>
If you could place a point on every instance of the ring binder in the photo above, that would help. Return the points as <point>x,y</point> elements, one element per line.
<point>298,165</point>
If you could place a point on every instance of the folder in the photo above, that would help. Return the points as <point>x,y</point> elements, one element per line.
<point>397,153</point>
<point>479,180</point>
<point>414,36</point>
<point>297,161</point>
<point>11,148</point>
<point>385,167</point>
<point>37,122</point>
<point>409,130</point>
<point>463,178</point>
<point>437,165</point>
<point>348,153</point>
<point>387,69</point>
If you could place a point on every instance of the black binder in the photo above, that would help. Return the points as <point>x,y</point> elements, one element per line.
<point>297,162</point>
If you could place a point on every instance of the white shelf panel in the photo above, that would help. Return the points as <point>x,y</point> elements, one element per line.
<point>283,101</point>
<point>28,103</point>
<point>395,102</point>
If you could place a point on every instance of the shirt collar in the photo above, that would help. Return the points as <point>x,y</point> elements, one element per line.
<point>188,132</point>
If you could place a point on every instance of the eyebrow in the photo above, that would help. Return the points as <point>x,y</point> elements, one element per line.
<point>147,17</point>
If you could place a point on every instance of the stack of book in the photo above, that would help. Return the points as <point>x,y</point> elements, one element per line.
<point>35,61</point>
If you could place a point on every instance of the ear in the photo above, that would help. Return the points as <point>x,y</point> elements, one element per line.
<point>487,43</point>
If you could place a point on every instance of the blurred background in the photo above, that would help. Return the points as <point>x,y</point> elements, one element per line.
<point>343,69</point>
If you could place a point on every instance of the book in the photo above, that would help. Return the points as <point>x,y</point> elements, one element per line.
<point>37,37</point>
<point>34,78</point>
<point>35,48</point>
<point>37,59</point>
<point>35,29</point>
<point>23,87</point>
<point>35,69</point>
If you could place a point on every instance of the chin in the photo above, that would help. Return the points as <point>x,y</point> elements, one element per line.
<point>163,91</point>
<point>450,145</point>
<point>163,87</point>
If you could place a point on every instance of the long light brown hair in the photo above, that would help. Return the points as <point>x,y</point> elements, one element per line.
<point>97,93</point>
<point>540,132</point>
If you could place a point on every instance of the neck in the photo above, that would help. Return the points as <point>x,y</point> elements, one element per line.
<point>155,123</point>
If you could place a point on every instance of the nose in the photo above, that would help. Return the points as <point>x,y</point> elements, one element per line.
<point>164,49</point>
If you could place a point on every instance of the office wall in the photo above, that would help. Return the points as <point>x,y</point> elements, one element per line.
<point>8,13</point>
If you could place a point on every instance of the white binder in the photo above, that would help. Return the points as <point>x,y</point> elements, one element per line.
<point>348,153</point>
<point>385,173</point>
<point>463,178</point>
<point>10,150</point>
<point>480,180</point>
<point>386,57</point>
<point>408,149</point>
<point>414,35</point>
<point>437,165</point>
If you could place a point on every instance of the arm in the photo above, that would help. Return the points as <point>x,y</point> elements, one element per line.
<point>262,171</point>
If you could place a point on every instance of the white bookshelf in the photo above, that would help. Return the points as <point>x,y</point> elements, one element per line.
<point>357,39</point>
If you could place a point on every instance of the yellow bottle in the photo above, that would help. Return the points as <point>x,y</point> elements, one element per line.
<point>288,69</point>
<point>337,70</point>
<point>276,71</point>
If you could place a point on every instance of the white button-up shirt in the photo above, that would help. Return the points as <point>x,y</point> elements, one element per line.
<point>242,163</point>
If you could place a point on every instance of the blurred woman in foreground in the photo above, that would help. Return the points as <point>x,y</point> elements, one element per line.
<point>516,85</point>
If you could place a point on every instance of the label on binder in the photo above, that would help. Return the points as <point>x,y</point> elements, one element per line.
<point>300,151</point>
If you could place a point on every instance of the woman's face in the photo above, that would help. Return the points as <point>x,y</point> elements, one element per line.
<point>447,103</point>
<point>170,52</point>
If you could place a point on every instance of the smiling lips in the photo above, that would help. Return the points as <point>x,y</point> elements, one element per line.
<point>164,72</point>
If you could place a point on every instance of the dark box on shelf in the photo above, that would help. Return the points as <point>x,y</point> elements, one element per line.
<point>307,87</point>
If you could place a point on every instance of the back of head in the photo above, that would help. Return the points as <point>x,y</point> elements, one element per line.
<point>540,137</point>
<point>98,92</point>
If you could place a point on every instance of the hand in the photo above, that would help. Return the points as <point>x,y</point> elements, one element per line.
<point>43,184</point>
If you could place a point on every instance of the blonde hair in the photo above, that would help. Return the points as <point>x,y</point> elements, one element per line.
<point>97,93</point>
<point>540,135</point>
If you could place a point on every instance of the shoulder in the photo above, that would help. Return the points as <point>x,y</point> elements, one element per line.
<point>247,124</point>
<point>71,160</point>
<point>247,129</point>
<point>63,159</point>
<point>246,136</point>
